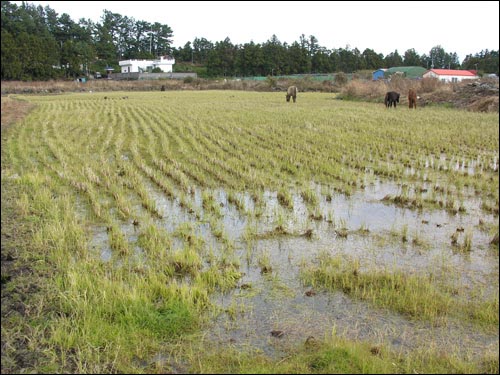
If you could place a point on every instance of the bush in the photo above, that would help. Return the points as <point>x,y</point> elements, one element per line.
<point>271,81</point>
<point>361,90</point>
<point>429,84</point>
<point>340,79</point>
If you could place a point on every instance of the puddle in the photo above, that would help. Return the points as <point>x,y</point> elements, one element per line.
<point>299,317</point>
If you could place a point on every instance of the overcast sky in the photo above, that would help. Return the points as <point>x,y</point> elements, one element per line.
<point>462,27</point>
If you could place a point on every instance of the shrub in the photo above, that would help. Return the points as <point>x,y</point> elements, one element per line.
<point>340,79</point>
<point>271,81</point>
<point>429,84</point>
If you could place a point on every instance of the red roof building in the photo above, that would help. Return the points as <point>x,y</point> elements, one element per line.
<point>451,75</point>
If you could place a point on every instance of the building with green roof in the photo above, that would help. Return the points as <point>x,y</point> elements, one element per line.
<point>414,72</point>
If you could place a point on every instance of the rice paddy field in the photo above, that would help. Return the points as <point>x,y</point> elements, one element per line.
<point>233,232</point>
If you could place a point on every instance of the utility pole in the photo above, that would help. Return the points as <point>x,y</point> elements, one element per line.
<point>150,40</point>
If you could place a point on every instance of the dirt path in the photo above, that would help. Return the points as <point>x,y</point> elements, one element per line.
<point>20,281</point>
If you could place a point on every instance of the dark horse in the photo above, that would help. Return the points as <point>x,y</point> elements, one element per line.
<point>412,99</point>
<point>292,92</point>
<point>392,97</point>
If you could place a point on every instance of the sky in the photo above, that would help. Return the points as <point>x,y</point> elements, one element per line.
<point>461,27</point>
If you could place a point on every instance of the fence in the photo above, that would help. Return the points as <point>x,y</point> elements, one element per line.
<point>150,76</point>
<point>313,77</point>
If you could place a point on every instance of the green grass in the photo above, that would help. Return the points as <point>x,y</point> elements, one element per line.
<point>336,356</point>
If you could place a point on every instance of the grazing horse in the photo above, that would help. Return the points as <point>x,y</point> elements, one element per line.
<point>412,99</point>
<point>391,98</point>
<point>292,92</point>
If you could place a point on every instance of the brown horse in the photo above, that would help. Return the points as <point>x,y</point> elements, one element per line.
<point>292,92</point>
<point>412,99</point>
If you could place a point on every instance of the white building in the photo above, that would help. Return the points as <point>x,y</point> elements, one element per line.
<point>165,63</point>
<point>451,75</point>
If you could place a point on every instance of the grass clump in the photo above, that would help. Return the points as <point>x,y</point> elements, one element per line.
<point>420,297</point>
<point>336,355</point>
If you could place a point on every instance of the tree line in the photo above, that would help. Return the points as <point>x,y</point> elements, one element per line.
<point>40,44</point>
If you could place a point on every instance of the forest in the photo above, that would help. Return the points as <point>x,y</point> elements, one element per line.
<point>40,44</point>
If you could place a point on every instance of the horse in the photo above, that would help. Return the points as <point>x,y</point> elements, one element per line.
<point>412,99</point>
<point>391,98</point>
<point>292,92</point>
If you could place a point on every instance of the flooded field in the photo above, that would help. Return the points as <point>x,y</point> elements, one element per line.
<point>273,225</point>
<point>361,228</point>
